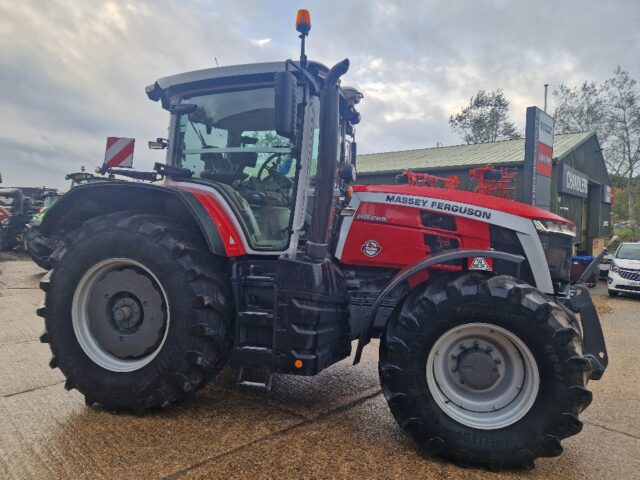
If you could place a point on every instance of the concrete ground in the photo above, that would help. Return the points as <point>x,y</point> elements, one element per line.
<point>335,425</point>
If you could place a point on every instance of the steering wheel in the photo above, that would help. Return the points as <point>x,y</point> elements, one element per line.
<point>265,166</point>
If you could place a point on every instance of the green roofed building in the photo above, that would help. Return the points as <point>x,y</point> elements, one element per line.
<point>581,189</point>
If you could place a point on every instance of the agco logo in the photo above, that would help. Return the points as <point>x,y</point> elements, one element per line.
<point>371,248</point>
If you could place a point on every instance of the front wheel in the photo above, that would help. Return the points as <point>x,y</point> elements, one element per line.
<point>484,371</point>
<point>613,293</point>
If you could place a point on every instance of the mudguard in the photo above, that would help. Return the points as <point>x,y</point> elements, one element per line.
<point>86,201</point>
<point>410,270</point>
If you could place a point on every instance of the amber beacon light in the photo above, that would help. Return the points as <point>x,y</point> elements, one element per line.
<point>303,21</point>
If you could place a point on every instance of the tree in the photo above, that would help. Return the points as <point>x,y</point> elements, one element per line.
<point>620,209</point>
<point>581,109</point>
<point>623,122</point>
<point>612,109</point>
<point>485,119</point>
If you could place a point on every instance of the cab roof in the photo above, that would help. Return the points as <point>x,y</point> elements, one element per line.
<point>166,87</point>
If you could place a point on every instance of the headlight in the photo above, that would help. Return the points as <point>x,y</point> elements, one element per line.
<point>614,268</point>
<point>552,226</point>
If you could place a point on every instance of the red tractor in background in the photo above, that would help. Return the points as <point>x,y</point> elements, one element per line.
<point>254,251</point>
<point>499,182</point>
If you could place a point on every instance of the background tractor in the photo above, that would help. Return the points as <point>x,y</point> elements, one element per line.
<point>36,244</point>
<point>14,214</point>
<point>255,250</point>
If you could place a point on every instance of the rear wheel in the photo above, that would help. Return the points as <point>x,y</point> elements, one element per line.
<point>484,371</point>
<point>137,312</point>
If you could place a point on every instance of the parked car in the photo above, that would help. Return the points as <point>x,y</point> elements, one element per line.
<point>624,274</point>
<point>604,266</point>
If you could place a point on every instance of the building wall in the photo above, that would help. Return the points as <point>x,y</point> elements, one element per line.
<point>586,158</point>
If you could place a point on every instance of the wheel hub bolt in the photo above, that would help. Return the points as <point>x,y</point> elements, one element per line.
<point>126,315</point>
<point>123,314</point>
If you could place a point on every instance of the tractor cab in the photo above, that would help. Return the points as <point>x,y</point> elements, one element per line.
<point>251,134</point>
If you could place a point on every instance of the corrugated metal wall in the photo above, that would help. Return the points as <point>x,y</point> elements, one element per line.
<point>587,158</point>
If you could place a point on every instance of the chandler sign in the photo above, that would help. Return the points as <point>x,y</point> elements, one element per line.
<point>572,182</point>
<point>538,158</point>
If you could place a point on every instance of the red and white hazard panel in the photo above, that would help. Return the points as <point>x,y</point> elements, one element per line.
<point>119,152</point>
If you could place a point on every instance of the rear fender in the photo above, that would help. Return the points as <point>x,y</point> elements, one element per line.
<point>418,267</point>
<point>86,201</point>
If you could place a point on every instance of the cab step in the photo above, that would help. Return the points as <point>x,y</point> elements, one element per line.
<point>255,378</point>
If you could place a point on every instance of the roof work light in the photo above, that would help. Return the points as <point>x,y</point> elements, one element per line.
<point>303,21</point>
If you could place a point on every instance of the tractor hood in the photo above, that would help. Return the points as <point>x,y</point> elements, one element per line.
<point>477,199</point>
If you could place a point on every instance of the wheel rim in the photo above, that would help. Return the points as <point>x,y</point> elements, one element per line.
<point>483,376</point>
<point>120,314</point>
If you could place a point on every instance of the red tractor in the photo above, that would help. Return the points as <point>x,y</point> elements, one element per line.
<point>254,251</point>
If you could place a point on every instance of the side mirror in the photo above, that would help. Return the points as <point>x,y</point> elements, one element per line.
<point>158,144</point>
<point>285,104</point>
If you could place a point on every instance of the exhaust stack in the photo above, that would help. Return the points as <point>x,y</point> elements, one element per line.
<point>317,244</point>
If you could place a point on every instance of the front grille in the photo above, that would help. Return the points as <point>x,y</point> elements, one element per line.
<point>628,287</point>
<point>438,243</point>
<point>633,275</point>
<point>558,249</point>
<point>505,240</point>
<point>438,220</point>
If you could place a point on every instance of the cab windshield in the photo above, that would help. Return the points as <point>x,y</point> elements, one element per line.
<point>49,200</point>
<point>229,141</point>
<point>629,251</point>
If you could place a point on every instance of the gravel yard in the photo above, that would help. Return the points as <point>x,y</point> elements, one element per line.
<point>334,425</point>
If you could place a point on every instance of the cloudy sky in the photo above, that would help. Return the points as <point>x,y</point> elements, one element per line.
<point>74,72</point>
